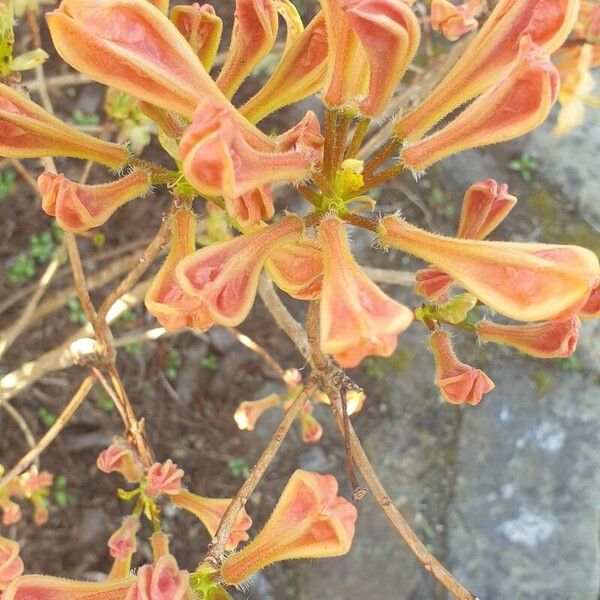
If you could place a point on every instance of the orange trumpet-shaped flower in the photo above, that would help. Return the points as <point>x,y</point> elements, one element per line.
<point>43,587</point>
<point>79,207</point>
<point>224,276</point>
<point>162,580</point>
<point>490,55</point>
<point>219,161</point>
<point>454,21</point>
<point>165,299</point>
<point>248,412</point>
<point>251,208</point>
<point>527,282</point>
<point>132,46</point>
<point>120,458</point>
<point>591,309</point>
<point>357,318</point>
<point>122,546</point>
<point>554,339</point>
<point>28,131</point>
<point>201,27</point>
<point>299,74</point>
<point>11,565</point>
<point>458,383</point>
<point>389,33</point>
<point>254,32</point>
<point>210,511</point>
<point>309,521</point>
<point>298,269</point>
<point>509,109</point>
<point>163,478</point>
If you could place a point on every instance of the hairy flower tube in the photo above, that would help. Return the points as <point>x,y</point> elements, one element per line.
<point>28,131</point>
<point>79,207</point>
<point>357,318</point>
<point>248,412</point>
<point>309,521</point>
<point>454,21</point>
<point>11,565</point>
<point>509,109</point>
<point>163,478</point>
<point>120,458</point>
<point>490,56</point>
<point>542,340</point>
<point>224,277</point>
<point>526,282</point>
<point>210,511</point>
<point>458,383</point>
<point>122,545</point>
<point>165,299</point>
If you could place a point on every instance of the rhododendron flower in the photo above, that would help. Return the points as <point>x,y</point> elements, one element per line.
<point>219,161</point>
<point>555,339</point>
<point>79,207</point>
<point>254,32</point>
<point>490,56</point>
<point>248,412</point>
<point>298,269</point>
<point>299,74</point>
<point>310,429</point>
<point>162,580</point>
<point>224,276</point>
<point>28,131</point>
<point>458,383</point>
<point>527,282</point>
<point>453,21</point>
<point>251,208</point>
<point>511,108</point>
<point>210,511</point>
<point>357,318</point>
<point>11,565</point>
<point>591,309</point>
<point>121,459</point>
<point>202,29</point>
<point>163,478</point>
<point>165,299</point>
<point>309,521</point>
<point>122,545</point>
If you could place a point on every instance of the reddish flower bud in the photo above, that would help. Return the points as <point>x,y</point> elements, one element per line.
<point>28,131</point>
<point>490,56</point>
<point>224,276</point>
<point>163,478</point>
<point>165,299</point>
<point>121,459</point>
<point>310,429</point>
<point>33,482</point>
<point>555,339</point>
<point>298,269</point>
<point>254,32</point>
<point>251,208</point>
<point>210,511</point>
<point>11,565</point>
<point>591,309</point>
<point>454,21</point>
<point>162,580</point>
<point>458,383</point>
<point>79,207</point>
<point>292,378</point>
<point>122,545</point>
<point>357,318</point>
<point>432,283</point>
<point>219,161</point>
<point>11,511</point>
<point>299,74</point>
<point>507,110</point>
<point>309,521</point>
<point>389,33</point>
<point>527,282</point>
<point>248,412</point>
<point>201,27</point>
<point>41,512</point>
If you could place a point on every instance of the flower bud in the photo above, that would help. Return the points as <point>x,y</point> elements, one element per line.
<point>224,276</point>
<point>210,511</point>
<point>251,208</point>
<point>28,131</point>
<point>163,478</point>
<point>355,400</point>
<point>511,108</point>
<point>309,521</point>
<point>162,580</point>
<point>454,21</point>
<point>121,459</point>
<point>122,545</point>
<point>41,511</point>
<point>219,161</point>
<point>78,207</point>
<point>201,27</point>
<point>248,412</point>
<point>432,283</point>
<point>490,56</point>
<point>554,339</point>
<point>11,511</point>
<point>254,32</point>
<point>165,299</point>
<point>526,282</point>
<point>357,318</point>
<point>305,137</point>
<point>458,383</point>
<point>299,74</point>
<point>11,565</point>
<point>310,429</point>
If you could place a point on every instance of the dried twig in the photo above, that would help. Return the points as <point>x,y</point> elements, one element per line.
<point>17,417</point>
<point>258,349</point>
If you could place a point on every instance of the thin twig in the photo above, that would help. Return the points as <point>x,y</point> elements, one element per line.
<point>391,276</point>
<point>17,417</point>
<point>258,349</point>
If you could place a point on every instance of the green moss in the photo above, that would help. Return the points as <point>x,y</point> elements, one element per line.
<point>543,381</point>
